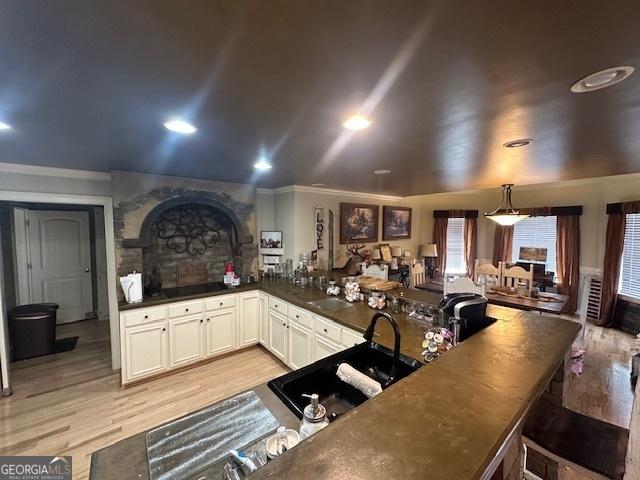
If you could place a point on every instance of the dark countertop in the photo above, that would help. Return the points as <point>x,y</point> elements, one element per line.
<point>356,317</point>
<point>128,458</point>
<point>446,421</point>
<point>162,298</point>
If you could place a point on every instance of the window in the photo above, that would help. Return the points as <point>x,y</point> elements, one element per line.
<point>455,246</point>
<point>630,270</point>
<point>537,232</point>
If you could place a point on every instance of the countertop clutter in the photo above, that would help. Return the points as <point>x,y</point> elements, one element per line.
<point>448,420</point>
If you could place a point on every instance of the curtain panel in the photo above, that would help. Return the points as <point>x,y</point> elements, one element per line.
<point>502,244</point>
<point>440,239</point>
<point>470,244</point>
<point>614,244</point>
<point>568,259</point>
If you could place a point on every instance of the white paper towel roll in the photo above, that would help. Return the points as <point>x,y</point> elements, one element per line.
<point>359,380</point>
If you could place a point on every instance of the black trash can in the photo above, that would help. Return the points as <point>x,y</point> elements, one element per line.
<point>32,330</point>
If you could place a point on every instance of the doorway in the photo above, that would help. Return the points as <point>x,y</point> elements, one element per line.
<point>56,253</point>
<point>53,259</point>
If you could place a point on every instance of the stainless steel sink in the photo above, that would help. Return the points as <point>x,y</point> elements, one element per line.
<point>332,304</point>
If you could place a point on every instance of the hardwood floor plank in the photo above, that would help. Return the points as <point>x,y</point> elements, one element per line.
<point>76,399</point>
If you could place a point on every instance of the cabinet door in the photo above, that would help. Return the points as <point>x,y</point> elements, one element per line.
<point>249,324</point>
<point>220,331</point>
<point>324,347</point>
<point>146,350</point>
<point>185,340</point>
<point>264,319</point>
<point>300,345</point>
<point>278,335</point>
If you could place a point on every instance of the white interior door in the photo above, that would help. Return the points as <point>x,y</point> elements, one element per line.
<point>59,243</point>
<point>4,337</point>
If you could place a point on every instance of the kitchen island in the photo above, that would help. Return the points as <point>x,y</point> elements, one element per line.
<point>449,420</point>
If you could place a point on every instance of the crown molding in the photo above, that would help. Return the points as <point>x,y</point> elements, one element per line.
<point>330,191</point>
<point>265,191</point>
<point>53,172</point>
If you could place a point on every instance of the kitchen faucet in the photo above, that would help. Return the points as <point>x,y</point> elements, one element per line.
<point>368,336</point>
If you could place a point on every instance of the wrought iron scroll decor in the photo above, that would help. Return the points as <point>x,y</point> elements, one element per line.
<point>188,228</point>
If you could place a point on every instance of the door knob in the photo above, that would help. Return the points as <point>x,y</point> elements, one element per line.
<point>87,270</point>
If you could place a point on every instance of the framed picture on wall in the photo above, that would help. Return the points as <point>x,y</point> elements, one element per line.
<point>358,222</point>
<point>396,223</point>
<point>270,239</point>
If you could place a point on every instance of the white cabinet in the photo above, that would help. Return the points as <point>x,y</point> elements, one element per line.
<point>278,335</point>
<point>249,319</point>
<point>145,350</point>
<point>185,340</point>
<point>324,347</point>
<point>264,319</point>
<point>299,345</point>
<point>351,338</point>
<point>220,331</point>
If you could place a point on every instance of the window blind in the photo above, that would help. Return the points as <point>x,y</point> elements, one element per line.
<point>630,271</point>
<point>537,232</point>
<point>455,246</point>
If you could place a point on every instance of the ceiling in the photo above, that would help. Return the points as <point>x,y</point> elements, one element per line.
<point>88,85</point>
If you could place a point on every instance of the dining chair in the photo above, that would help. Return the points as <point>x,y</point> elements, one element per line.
<point>486,273</point>
<point>517,277</point>
<point>417,275</point>
<point>377,271</point>
<point>463,285</point>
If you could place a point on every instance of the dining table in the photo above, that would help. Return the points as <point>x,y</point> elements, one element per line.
<point>546,303</point>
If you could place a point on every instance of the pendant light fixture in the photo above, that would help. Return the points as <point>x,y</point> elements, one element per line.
<point>505,214</point>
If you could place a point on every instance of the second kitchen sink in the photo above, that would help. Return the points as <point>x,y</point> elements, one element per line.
<point>337,396</point>
<point>332,304</point>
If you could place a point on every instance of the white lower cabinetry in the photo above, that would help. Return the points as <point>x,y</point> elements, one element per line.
<point>220,331</point>
<point>147,349</point>
<point>264,318</point>
<point>278,335</point>
<point>185,340</point>
<point>300,345</point>
<point>324,347</point>
<point>163,337</point>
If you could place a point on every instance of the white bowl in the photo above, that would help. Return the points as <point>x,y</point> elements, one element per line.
<point>293,438</point>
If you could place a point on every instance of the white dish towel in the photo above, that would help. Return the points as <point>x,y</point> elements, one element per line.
<point>359,380</point>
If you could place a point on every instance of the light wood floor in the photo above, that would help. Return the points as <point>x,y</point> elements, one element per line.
<point>603,390</point>
<point>72,404</point>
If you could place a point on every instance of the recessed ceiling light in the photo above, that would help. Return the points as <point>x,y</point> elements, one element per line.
<point>5,126</point>
<point>262,164</point>
<point>602,79</point>
<point>356,122</point>
<point>382,172</point>
<point>521,142</point>
<point>317,184</point>
<point>180,126</point>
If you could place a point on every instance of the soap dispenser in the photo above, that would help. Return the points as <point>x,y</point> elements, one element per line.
<point>314,417</point>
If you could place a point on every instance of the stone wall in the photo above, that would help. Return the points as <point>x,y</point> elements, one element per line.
<point>168,255</point>
<point>137,195</point>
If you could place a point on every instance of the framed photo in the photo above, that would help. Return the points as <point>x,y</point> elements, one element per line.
<point>396,223</point>
<point>270,239</point>
<point>358,222</point>
<point>385,252</point>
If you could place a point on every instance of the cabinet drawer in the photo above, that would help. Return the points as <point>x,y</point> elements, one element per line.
<point>278,305</point>
<point>144,315</point>
<point>223,301</point>
<point>301,316</point>
<point>328,329</point>
<point>351,337</point>
<point>185,308</point>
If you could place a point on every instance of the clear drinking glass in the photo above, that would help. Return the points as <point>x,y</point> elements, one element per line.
<point>231,472</point>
